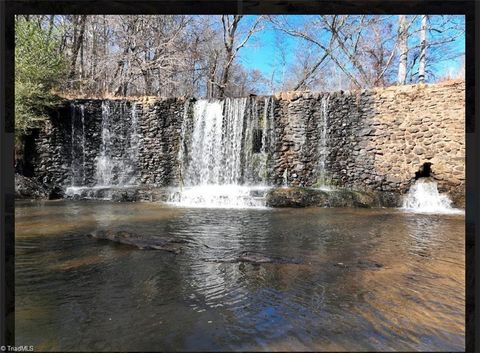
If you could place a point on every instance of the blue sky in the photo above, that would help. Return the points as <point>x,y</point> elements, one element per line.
<point>262,52</point>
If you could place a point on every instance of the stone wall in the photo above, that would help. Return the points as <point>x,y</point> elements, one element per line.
<point>161,123</point>
<point>379,139</point>
<point>375,139</point>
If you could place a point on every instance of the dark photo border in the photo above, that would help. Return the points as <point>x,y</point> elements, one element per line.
<point>9,8</point>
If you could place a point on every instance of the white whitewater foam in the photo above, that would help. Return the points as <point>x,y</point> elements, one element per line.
<point>423,197</point>
<point>217,158</point>
<point>219,196</point>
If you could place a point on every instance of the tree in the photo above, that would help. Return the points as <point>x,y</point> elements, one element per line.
<point>402,49</point>
<point>423,50</point>
<point>39,69</point>
<point>361,47</point>
<point>178,55</point>
<point>230,26</point>
<point>79,23</point>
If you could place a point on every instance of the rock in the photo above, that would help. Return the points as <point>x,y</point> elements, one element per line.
<point>388,199</point>
<point>142,242</point>
<point>129,195</point>
<point>308,197</point>
<point>257,258</point>
<point>29,188</point>
<point>457,195</point>
<point>295,197</point>
<point>56,193</point>
<point>418,150</point>
<point>359,265</point>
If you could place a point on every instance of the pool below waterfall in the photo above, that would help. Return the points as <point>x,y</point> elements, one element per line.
<point>361,279</point>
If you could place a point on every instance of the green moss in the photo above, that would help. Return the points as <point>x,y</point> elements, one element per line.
<point>325,181</point>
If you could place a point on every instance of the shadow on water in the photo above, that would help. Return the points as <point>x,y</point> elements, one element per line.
<point>366,279</point>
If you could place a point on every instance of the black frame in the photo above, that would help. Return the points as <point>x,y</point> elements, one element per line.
<point>10,8</point>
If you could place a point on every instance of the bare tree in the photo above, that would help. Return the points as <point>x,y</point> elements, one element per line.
<point>78,33</point>
<point>402,49</point>
<point>230,27</point>
<point>172,55</point>
<point>423,50</point>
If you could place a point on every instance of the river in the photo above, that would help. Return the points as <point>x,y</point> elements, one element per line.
<point>367,279</point>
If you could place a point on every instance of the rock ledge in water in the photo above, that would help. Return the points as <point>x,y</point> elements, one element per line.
<point>29,188</point>
<point>257,258</point>
<point>360,265</point>
<point>309,197</point>
<point>140,241</point>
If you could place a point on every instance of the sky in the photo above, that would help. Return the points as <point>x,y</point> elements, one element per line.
<point>262,52</point>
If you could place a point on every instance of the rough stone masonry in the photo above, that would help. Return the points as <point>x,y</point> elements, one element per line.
<point>375,139</point>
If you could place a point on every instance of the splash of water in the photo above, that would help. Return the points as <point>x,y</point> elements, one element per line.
<point>424,197</point>
<point>219,167</point>
<point>220,196</point>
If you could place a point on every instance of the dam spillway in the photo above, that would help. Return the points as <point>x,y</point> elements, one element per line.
<point>375,140</point>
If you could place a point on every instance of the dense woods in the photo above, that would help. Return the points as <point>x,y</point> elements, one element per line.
<point>205,56</point>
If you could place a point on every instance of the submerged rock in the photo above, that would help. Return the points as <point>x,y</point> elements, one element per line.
<point>360,265</point>
<point>143,242</point>
<point>257,258</point>
<point>296,197</point>
<point>309,197</point>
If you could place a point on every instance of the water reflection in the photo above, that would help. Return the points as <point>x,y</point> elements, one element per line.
<point>74,293</point>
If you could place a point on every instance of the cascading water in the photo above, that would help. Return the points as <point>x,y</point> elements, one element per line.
<point>322,147</point>
<point>423,197</point>
<point>269,138</point>
<point>82,112</point>
<point>116,163</point>
<point>219,165</point>
<point>77,145</point>
<point>104,170</point>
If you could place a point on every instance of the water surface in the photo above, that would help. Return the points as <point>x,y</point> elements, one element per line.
<point>75,293</point>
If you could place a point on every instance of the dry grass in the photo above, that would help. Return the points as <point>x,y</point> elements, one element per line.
<point>287,95</point>
<point>77,95</point>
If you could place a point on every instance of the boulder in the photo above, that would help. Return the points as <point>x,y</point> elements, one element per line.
<point>295,197</point>
<point>359,265</point>
<point>143,242</point>
<point>127,195</point>
<point>457,195</point>
<point>29,188</point>
<point>257,258</point>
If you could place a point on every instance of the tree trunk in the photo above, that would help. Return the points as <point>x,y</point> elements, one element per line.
<point>225,75</point>
<point>423,50</point>
<point>403,49</point>
<point>76,46</point>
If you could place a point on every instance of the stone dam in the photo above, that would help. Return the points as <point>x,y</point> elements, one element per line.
<point>379,140</point>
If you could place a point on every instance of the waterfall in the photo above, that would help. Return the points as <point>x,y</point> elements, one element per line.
<point>219,165</point>
<point>72,150</point>
<point>77,153</point>
<point>423,197</point>
<point>322,146</point>
<point>268,139</point>
<point>104,167</point>
<point>82,112</point>
<point>285,178</point>
<point>117,163</point>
